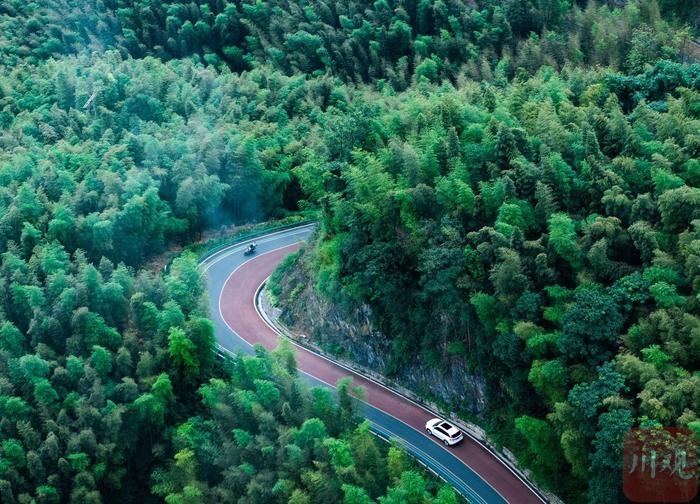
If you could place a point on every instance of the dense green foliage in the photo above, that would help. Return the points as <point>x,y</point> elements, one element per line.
<point>551,226</point>
<point>102,359</point>
<point>358,40</point>
<point>92,372</point>
<point>265,437</point>
<point>547,216</point>
<point>136,150</point>
<point>105,161</point>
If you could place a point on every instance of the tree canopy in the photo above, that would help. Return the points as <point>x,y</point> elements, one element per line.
<point>515,184</point>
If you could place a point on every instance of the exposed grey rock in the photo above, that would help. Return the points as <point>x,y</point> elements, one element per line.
<point>350,334</point>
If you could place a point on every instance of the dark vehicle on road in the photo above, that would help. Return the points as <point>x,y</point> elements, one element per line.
<point>251,249</point>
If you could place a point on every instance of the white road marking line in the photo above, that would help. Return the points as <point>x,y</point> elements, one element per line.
<point>237,247</point>
<point>227,251</point>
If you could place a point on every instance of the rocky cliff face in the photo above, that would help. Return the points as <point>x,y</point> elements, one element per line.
<point>350,335</point>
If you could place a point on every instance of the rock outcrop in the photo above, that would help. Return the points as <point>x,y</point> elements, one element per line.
<point>349,334</point>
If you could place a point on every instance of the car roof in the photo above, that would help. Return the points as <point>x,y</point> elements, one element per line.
<point>443,424</point>
<point>448,427</point>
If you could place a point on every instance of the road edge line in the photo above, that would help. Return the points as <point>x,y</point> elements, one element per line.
<point>282,330</point>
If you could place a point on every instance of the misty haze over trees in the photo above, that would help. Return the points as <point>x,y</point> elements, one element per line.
<point>528,169</point>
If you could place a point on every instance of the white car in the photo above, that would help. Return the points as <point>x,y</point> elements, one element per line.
<point>445,431</point>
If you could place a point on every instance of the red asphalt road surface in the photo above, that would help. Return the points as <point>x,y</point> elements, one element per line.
<point>237,307</point>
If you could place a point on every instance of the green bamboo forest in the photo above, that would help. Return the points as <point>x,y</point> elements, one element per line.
<point>528,170</point>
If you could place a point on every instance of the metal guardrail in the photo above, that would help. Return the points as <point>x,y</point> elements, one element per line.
<point>284,332</point>
<point>388,438</point>
<point>250,236</point>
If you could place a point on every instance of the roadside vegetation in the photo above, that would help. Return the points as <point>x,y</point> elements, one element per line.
<point>264,436</point>
<point>110,390</point>
<point>527,169</point>
<point>548,228</point>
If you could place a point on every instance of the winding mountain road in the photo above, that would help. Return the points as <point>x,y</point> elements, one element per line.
<point>233,280</point>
